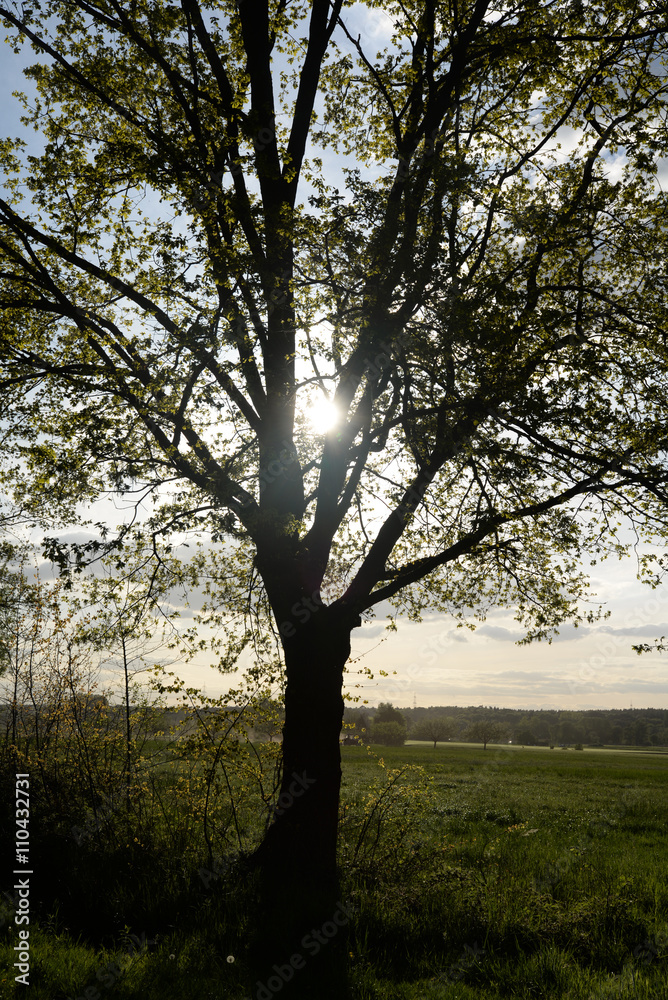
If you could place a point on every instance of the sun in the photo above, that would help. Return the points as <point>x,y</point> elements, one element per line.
<point>322,415</point>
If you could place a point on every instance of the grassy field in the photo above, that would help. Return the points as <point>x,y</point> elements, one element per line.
<point>470,875</point>
<point>533,873</point>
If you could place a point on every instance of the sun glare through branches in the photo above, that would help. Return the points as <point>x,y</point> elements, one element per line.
<point>322,415</point>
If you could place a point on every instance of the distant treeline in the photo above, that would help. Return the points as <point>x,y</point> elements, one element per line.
<point>623,726</point>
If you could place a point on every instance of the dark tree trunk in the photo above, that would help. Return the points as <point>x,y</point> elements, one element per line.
<point>299,950</point>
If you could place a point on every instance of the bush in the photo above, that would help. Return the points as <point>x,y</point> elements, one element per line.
<point>389,734</point>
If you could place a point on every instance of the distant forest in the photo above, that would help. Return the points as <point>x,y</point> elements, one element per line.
<point>610,727</point>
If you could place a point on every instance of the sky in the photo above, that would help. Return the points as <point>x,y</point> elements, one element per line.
<point>435,663</point>
<point>587,667</point>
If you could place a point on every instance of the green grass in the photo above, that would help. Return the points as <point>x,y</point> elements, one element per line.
<point>528,873</point>
<point>509,872</point>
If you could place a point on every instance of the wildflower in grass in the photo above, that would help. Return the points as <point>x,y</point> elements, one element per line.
<point>230,959</point>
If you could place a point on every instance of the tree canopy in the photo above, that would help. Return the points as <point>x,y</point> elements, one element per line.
<point>484,311</point>
<point>487,731</point>
<point>386,712</point>
<point>451,230</point>
<point>436,728</point>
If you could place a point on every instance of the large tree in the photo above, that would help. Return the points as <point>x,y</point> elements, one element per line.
<point>486,731</point>
<point>436,729</point>
<point>241,208</point>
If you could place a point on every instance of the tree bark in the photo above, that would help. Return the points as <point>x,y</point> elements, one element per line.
<point>299,948</point>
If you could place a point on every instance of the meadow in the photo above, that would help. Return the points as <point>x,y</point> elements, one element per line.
<point>468,874</point>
